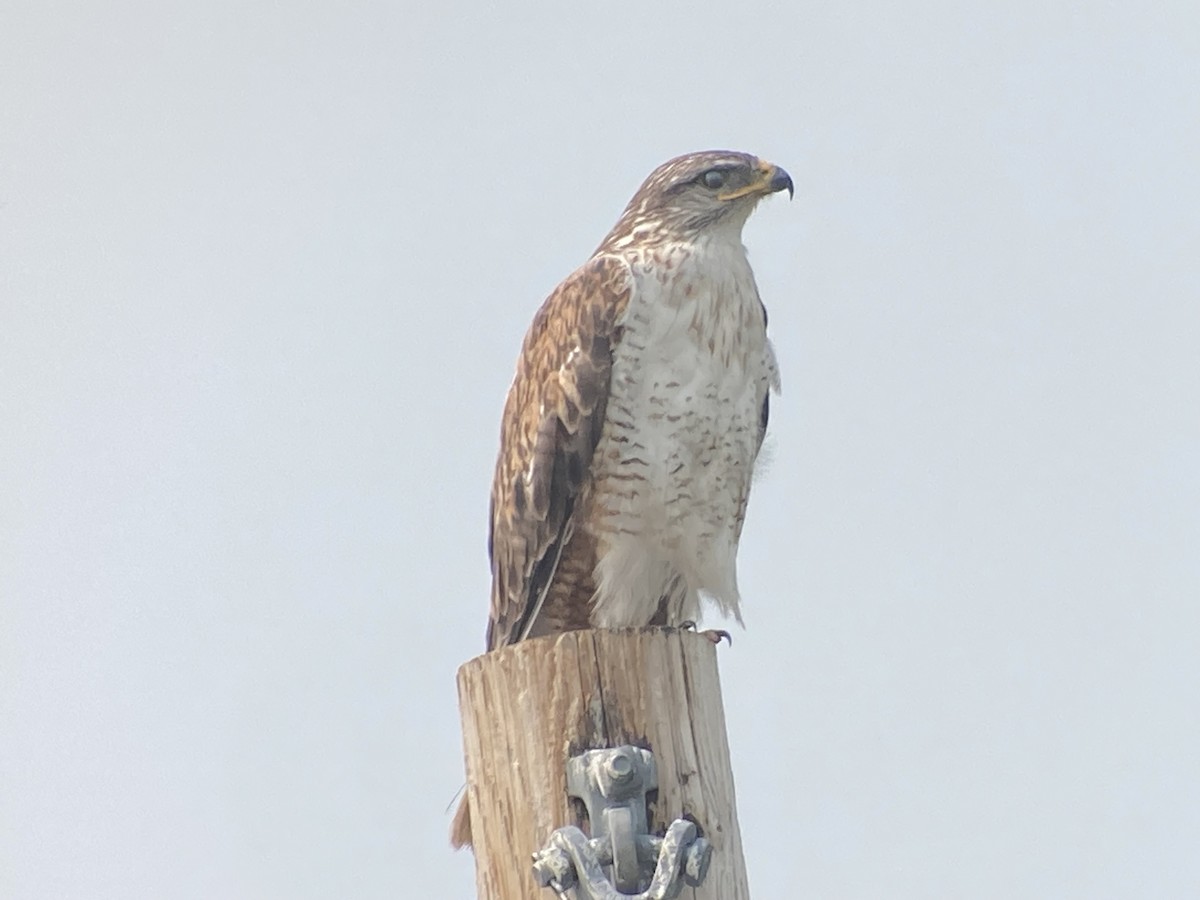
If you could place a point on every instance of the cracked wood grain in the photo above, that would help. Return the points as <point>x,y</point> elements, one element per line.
<point>527,708</point>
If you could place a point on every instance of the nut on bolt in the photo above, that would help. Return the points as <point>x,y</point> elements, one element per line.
<point>553,866</point>
<point>620,767</point>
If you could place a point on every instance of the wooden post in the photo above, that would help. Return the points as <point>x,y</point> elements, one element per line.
<point>527,708</point>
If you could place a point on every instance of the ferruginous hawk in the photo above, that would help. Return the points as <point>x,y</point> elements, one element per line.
<point>631,428</point>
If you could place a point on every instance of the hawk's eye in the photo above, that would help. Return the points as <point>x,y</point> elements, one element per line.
<point>713,179</point>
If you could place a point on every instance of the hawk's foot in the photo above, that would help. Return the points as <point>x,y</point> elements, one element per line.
<point>713,634</point>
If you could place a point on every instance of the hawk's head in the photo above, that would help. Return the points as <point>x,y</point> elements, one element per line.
<point>690,194</point>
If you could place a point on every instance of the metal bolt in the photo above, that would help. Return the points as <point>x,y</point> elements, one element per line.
<point>553,865</point>
<point>620,767</point>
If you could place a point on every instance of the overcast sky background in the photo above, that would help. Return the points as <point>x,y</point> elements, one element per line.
<point>264,270</point>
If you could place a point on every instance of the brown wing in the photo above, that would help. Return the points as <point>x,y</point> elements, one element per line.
<point>552,422</point>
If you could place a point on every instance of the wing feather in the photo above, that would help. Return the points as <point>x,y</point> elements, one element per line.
<point>553,418</point>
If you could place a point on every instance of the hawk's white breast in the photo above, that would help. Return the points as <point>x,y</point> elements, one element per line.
<point>682,428</point>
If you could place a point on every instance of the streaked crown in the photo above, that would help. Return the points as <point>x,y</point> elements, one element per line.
<point>692,193</point>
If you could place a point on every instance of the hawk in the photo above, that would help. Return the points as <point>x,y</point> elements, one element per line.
<point>632,425</point>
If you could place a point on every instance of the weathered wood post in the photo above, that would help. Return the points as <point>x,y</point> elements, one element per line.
<point>530,707</point>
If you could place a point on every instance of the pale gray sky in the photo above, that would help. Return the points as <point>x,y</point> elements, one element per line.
<point>264,270</point>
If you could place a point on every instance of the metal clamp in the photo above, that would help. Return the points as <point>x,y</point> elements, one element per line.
<point>612,785</point>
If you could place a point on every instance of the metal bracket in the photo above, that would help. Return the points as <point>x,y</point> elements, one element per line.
<point>612,785</point>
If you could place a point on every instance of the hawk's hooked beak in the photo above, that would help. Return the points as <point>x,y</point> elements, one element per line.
<point>770,179</point>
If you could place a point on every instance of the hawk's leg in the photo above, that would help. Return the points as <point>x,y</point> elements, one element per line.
<point>713,634</point>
